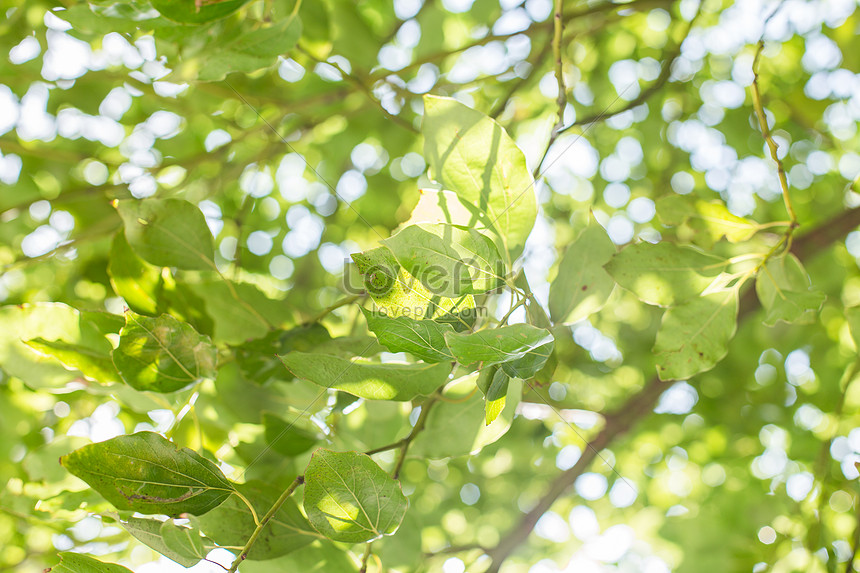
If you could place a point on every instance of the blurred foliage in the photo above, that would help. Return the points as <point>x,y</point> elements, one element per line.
<point>292,131</point>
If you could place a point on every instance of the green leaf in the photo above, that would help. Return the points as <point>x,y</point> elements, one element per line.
<point>448,260</point>
<point>146,473</point>
<point>465,410</point>
<point>168,233</point>
<point>493,383</point>
<point>287,438</point>
<point>852,315</point>
<point>397,293</point>
<point>162,354</point>
<point>472,155</point>
<point>372,381</point>
<point>424,339</point>
<point>695,335</point>
<point>149,532</point>
<point>351,499</point>
<point>58,331</point>
<point>582,285</point>
<point>521,349</point>
<point>79,563</point>
<point>232,523</point>
<point>254,50</point>
<point>194,12</point>
<point>704,222</point>
<point>665,273</point>
<point>784,290</point>
<point>132,278</point>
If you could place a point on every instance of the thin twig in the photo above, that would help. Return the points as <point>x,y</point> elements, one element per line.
<point>416,429</point>
<point>365,557</point>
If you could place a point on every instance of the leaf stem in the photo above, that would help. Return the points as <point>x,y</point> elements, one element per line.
<point>325,312</point>
<point>416,429</point>
<point>250,507</point>
<point>266,518</point>
<point>365,557</point>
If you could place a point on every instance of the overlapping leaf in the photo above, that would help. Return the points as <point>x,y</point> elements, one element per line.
<point>162,354</point>
<point>785,292</point>
<point>520,349</point>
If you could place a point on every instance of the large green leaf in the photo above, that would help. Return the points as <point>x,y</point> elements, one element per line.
<point>472,155</point>
<point>369,380</point>
<point>664,273</point>
<point>146,473</point>
<point>79,563</point>
<point>521,349</point>
<point>232,523</point>
<point>135,280</point>
<point>255,49</point>
<point>785,293</point>
<point>349,498</point>
<point>55,335</point>
<point>582,286</point>
<point>448,260</point>
<point>424,339</point>
<point>241,311</point>
<point>168,233</point>
<point>162,354</point>
<point>695,335</point>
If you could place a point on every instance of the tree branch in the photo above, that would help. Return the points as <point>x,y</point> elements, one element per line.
<point>642,404</point>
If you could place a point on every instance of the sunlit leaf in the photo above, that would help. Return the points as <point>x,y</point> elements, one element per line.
<point>349,498</point>
<point>425,339</point>
<point>79,563</point>
<point>520,349</point>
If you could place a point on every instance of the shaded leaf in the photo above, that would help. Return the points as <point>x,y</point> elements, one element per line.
<point>149,532</point>
<point>664,273</point>
<point>582,286</point>
<point>473,156</point>
<point>695,335</point>
<point>319,557</point>
<point>349,498</point>
<point>162,354</point>
<point>425,339</point>
<point>784,290</point>
<point>287,438</point>
<point>241,311</point>
<point>168,233</point>
<point>255,49</point>
<point>183,540</point>
<point>146,473</point>
<point>232,523</point>
<point>369,380</point>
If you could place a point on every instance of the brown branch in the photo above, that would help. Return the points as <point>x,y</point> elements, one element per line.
<point>642,404</point>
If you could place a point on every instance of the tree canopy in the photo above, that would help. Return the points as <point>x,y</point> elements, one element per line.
<point>429,285</point>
